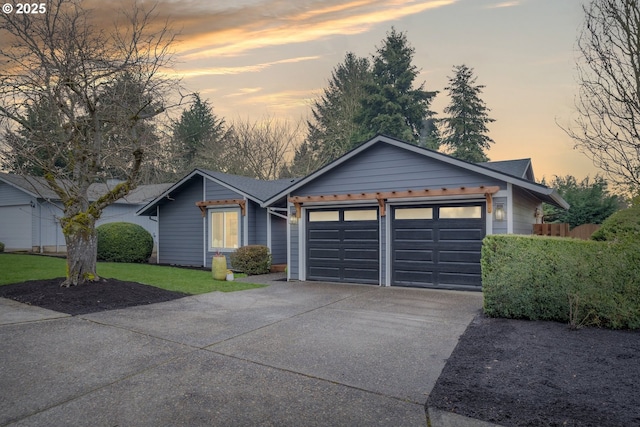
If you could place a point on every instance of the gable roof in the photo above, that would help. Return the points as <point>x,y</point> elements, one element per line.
<point>256,189</point>
<point>251,188</point>
<point>495,170</point>
<point>39,188</point>
<point>520,168</point>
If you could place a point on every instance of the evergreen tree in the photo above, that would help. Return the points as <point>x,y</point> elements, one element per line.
<point>333,130</point>
<point>197,130</point>
<point>393,106</point>
<point>466,127</point>
<point>590,201</point>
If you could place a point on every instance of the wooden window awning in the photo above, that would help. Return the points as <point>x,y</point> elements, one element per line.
<point>205,204</point>
<point>383,196</point>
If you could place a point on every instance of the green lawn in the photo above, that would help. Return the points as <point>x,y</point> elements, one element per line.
<point>16,268</point>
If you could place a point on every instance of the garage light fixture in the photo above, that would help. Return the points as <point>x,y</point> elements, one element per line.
<point>293,220</point>
<point>499,212</point>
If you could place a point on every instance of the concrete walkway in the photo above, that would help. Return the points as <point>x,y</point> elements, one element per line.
<point>291,354</point>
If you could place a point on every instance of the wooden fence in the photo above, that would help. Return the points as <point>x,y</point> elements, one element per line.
<point>583,231</point>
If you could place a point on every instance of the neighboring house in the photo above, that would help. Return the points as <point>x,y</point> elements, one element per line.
<point>208,212</point>
<point>386,213</point>
<point>392,213</point>
<point>30,212</point>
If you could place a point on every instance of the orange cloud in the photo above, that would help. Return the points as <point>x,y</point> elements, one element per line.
<point>254,68</point>
<point>234,31</point>
<point>504,4</point>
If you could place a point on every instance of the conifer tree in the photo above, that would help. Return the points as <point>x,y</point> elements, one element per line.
<point>333,130</point>
<point>393,106</point>
<point>465,129</point>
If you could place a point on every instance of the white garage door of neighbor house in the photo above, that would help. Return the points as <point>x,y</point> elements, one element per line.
<point>15,227</point>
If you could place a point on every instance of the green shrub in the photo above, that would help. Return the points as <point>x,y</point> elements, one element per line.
<point>1,247</point>
<point>253,259</point>
<point>123,242</point>
<point>624,224</point>
<point>561,279</point>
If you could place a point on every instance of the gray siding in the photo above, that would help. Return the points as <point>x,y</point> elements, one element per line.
<point>180,231</point>
<point>47,235</point>
<point>17,218</point>
<point>278,239</point>
<point>215,191</point>
<point>11,196</point>
<point>387,168</point>
<point>294,265</point>
<point>257,224</point>
<point>524,206</point>
<point>499,227</point>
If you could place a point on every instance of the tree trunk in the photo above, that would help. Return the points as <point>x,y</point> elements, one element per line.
<point>82,248</point>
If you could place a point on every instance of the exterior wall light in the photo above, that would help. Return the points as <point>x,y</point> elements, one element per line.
<point>293,220</point>
<point>499,212</point>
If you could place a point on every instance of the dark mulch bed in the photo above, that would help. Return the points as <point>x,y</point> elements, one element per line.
<point>523,373</point>
<point>106,294</point>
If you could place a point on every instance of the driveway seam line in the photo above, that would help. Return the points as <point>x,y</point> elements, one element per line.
<point>377,393</point>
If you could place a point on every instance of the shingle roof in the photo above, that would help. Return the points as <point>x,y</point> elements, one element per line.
<point>517,168</point>
<point>38,187</point>
<point>258,189</point>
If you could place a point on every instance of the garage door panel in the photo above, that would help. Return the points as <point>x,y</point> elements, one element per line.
<point>461,235</point>
<point>452,248</point>
<point>349,245</point>
<point>369,275</point>
<point>413,278</point>
<point>470,257</point>
<point>413,234</point>
<point>414,255</point>
<point>324,235</point>
<point>458,279</point>
<point>363,255</point>
<point>324,273</point>
<point>369,234</point>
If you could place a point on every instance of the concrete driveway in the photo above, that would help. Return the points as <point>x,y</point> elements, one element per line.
<point>291,354</point>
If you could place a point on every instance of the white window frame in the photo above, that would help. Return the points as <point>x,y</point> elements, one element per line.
<point>210,229</point>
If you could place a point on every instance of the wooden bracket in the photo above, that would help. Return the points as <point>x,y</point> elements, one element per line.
<point>489,197</point>
<point>382,204</point>
<point>240,202</point>
<point>298,206</point>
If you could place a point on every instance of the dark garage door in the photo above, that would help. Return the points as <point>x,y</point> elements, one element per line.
<point>437,246</point>
<point>343,245</point>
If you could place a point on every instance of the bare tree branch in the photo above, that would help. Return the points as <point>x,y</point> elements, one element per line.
<point>607,126</point>
<point>78,103</point>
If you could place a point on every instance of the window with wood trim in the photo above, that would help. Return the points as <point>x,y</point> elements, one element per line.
<point>224,229</point>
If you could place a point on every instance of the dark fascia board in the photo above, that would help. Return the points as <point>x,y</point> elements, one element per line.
<point>142,211</point>
<point>533,187</point>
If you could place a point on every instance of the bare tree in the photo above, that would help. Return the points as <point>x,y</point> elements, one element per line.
<point>260,149</point>
<point>100,88</point>
<point>607,127</point>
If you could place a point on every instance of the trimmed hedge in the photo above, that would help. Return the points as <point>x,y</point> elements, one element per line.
<point>562,279</point>
<point>124,242</point>
<point>1,247</point>
<point>252,259</point>
<point>624,224</point>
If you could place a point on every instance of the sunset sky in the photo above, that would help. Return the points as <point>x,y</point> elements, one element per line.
<point>257,58</point>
